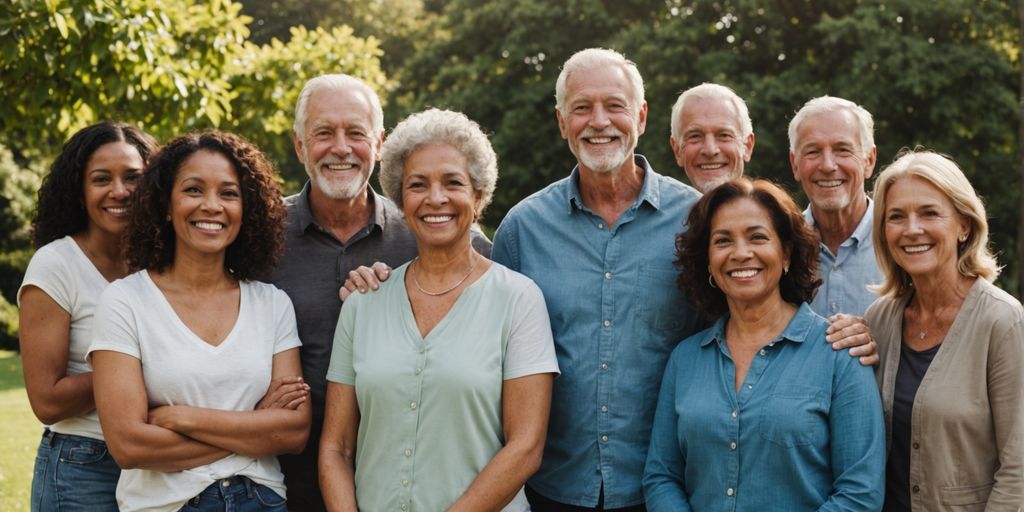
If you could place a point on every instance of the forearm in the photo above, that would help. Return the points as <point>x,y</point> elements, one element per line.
<point>253,433</point>
<point>145,446</point>
<point>66,397</point>
<point>502,478</point>
<point>337,479</point>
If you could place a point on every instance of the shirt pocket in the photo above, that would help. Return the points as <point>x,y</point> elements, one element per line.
<point>661,305</point>
<point>795,416</point>
<point>964,496</point>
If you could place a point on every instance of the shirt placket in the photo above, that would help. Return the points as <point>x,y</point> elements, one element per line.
<point>606,351</point>
<point>414,412</point>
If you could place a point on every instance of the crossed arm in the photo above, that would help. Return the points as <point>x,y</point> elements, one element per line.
<point>173,438</point>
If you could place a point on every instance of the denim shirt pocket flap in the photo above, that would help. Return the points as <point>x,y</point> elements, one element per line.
<point>795,415</point>
<point>966,494</point>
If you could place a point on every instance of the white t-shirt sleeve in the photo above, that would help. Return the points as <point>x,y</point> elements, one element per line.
<point>342,369</point>
<point>49,271</point>
<point>286,335</point>
<point>531,347</point>
<point>115,327</point>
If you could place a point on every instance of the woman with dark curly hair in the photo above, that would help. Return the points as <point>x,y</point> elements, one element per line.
<point>77,231</point>
<point>184,349</point>
<point>757,412</point>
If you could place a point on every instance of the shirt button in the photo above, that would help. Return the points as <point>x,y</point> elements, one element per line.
<point>604,366</point>
<point>735,414</point>
<point>405,483</point>
<point>607,275</point>
<point>604,438</point>
<point>607,323</point>
<point>226,483</point>
<point>916,489</point>
<point>761,352</point>
<point>835,267</point>
<point>412,405</point>
<point>404,506</point>
<point>732,445</point>
<point>600,226</point>
<point>604,408</point>
<point>419,371</point>
<point>730,491</point>
<point>408,452</point>
<point>917,445</point>
<point>750,386</point>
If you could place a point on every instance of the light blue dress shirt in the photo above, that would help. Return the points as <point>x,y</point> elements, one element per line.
<point>616,314</point>
<point>846,276</point>
<point>804,432</point>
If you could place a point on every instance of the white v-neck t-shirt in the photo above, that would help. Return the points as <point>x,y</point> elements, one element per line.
<point>179,368</point>
<point>63,272</point>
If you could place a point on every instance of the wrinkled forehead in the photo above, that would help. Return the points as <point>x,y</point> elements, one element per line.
<point>338,106</point>
<point>834,127</point>
<point>599,82</point>
<point>710,112</point>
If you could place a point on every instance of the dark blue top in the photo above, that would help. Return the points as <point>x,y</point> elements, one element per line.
<point>913,365</point>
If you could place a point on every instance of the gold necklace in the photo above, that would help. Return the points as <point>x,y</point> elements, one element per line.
<point>456,285</point>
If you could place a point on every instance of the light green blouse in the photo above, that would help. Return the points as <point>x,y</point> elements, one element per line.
<point>430,408</point>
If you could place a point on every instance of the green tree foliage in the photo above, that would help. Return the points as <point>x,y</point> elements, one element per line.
<point>941,74</point>
<point>170,66</point>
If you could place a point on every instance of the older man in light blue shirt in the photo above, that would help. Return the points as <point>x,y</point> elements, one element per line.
<point>832,152</point>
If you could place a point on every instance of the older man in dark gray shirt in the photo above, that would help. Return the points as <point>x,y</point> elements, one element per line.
<point>335,224</point>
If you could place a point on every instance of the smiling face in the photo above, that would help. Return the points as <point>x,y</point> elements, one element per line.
<point>745,254</point>
<point>830,163</point>
<point>110,176</point>
<point>338,146</point>
<point>601,120</point>
<point>438,199</point>
<point>711,148</point>
<point>206,204</point>
<point>922,228</point>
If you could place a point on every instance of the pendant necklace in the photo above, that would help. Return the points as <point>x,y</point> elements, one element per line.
<point>456,285</point>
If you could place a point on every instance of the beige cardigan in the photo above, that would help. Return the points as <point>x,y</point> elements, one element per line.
<point>968,415</point>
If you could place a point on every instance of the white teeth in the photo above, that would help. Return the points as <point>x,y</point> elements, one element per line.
<point>917,248</point>
<point>117,211</point>
<point>341,167</point>
<point>711,167</point>
<point>744,273</point>
<point>599,140</point>
<point>437,218</point>
<point>213,226</point>
<point>830,183</point>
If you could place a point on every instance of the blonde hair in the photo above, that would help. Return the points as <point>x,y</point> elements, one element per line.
<point>973,255</point>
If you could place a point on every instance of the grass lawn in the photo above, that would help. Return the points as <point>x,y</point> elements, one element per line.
<point>19,436</point>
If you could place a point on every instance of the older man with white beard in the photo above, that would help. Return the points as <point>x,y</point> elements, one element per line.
<point>336,224</point>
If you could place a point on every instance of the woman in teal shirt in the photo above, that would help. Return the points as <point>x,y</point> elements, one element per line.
<point>758,412</point>
<point>440,382</point>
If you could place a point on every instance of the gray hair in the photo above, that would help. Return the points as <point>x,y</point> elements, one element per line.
<point>592,58</point>
<point>439,127</point>
<point>337,82</point>
<point>827,104</point>
<point>710,91</point>
<point>973,255</point>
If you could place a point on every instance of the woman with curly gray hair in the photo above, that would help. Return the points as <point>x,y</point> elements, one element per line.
<point>444,407</point>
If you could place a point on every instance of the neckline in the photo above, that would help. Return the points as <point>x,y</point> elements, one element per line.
<point>168,309</point>
<point>410,318</point>
<point>85,257</point>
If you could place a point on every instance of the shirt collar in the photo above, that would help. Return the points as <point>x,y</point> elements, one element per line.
<point>797,330</point>
<point>649,192</point>
<point>304,212</point>
<point>863,230</point>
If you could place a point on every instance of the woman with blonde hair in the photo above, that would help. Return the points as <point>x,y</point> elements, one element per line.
<point>951,345</point>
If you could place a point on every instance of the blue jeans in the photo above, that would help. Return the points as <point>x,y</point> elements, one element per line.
<point>236,494</point>
<point>73,473</point>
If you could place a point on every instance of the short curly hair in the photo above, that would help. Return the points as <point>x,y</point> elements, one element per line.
<point>253,255</point>
<point>439,127</point>
<point>60,210</point>
<point>796,286</point>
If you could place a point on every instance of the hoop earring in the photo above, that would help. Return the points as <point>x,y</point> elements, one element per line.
<point>711,281</point>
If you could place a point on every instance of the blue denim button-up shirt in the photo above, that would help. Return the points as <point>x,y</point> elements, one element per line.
<point>804,431</point>
<point>616,314</point>
<point>846,276</point>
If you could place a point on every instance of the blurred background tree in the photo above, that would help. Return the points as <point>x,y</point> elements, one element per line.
<point>945,74</point>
